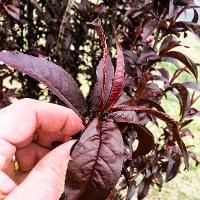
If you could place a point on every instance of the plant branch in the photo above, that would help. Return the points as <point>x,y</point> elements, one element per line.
<point>35,4</point>
<point>63,26</point>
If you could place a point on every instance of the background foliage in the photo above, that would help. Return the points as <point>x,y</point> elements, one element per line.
<point>149,30</point>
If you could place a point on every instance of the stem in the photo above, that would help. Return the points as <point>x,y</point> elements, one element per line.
<point>156,38</point>
<point>62,27</point>
<point>35,4</point>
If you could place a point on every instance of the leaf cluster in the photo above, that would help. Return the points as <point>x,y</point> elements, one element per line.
<point>125,96</point>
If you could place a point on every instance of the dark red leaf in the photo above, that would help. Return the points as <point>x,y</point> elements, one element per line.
<point>184,59</point>
<point>148,29</point>
<point>118,81</point>
<point>168,43</point>
<point>164,73</point>
<point>152,104</point>
<point>171,60</point>
<point>187,26</point>
<point>195,17</point>
<point>96,162</point>
<point>145,139</point>
<point>158,178</point>
<point>104,74</point>
<point>184,2</point>
<point>193,112</point>
<point>13,11</point>
<point>146,55</point>
<point>124,116</point>
<point>183,9</point>
<point>60,82</point>
<point>192,86</point>
<point>173,167</point>
<point>143,188</point>
<point>184,100</point>
<point>131,189</point>
<point>167,119</point>
<point>96,94</point>
<point>186,122</point>
<point>178,72</point>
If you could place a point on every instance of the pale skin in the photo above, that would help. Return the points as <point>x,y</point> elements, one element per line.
<point>27,130</point>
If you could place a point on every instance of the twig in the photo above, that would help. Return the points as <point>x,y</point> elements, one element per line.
<point>62,27</point>
<point>38,8</point>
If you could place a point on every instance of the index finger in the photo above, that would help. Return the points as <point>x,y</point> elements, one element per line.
<point>19,122</point>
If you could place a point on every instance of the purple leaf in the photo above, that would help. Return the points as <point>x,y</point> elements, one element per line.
<point>187,26</point>
<point>147,54</point>
<point>146,141</point>
<point>105,69</point>
<point>97,92</point>
<point>131,189</point>
<point>173,167</point>
<point>13,11</point>
<point>183,9</point>
<point>186,122</point>
<point>164,73</point>
<point>148,29</point>
<point>152,104</point>
<point>60,82</point>
<point>195,17</point>
<point>168,43</point>
<point>167,119</point>
<point>117,85</point>
<point>143,188</point>
<point>96,162</point>
<point>192,86</point>
<point>183,99</point>
<point>185,60</point>
<point>158,178</point>
<point>124,116</point>
<point>171,60</point>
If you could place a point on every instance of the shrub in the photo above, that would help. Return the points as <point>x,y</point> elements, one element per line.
<point>122,101</point>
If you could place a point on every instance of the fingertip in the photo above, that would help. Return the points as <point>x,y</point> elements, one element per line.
<point>73,124</point>
<point>7,185</point>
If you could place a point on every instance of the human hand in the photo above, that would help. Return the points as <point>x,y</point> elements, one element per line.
<point>27,130</point>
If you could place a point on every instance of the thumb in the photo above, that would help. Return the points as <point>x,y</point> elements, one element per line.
<point>47,178</point>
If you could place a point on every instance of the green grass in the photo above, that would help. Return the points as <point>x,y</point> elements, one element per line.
<point>186,185</point>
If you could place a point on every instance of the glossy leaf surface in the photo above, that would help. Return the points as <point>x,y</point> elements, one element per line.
<point>117,85</point>
<point>105,71</point>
